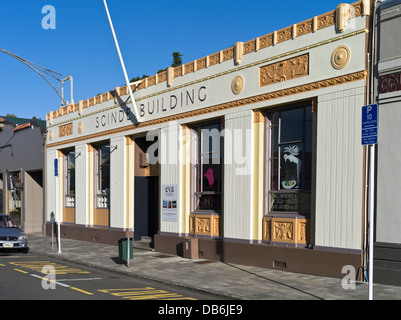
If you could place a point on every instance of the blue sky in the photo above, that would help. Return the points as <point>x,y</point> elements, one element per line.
<point>82,45</point>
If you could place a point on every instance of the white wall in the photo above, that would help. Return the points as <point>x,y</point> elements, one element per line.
<point>117,182</point>
<point>81,183</point>
<point>339,169</point>
<point>238,158</point>
<point>170,170</point>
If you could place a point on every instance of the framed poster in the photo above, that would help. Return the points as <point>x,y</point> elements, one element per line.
<point>169,202</point>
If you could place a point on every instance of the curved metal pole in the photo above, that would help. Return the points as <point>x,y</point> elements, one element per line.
<point>47,71</point>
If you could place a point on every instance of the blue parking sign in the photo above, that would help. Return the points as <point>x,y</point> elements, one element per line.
<point>56,167</point>
<point>369,124</point>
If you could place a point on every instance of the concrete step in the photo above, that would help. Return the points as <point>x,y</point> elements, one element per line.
<point>146,243</point>
<point>146,239</point>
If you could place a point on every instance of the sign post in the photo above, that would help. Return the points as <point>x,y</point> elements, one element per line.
<point>369,137</point>
<point>52,221</point>
<point>57,204</point>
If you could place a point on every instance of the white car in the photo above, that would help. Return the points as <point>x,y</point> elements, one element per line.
<point>11,235</point>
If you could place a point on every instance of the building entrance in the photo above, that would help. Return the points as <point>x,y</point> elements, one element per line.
<point>146,190</point>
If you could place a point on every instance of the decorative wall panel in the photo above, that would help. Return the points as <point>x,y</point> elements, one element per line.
<point>286,230</point>
<point>284,70</point>
<point>205,225</point>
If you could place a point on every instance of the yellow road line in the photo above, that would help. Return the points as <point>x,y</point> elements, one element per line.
<point>38,265</point>
<point>146,293</point>
<point>62,284</point>
<point>50,280</point>
<point>2,265</point>
<point>22,271</point>
<point>80,290</point>
<point>161,296</point>
<point>133,289</point>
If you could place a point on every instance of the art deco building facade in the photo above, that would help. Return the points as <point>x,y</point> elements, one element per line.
<point>250,155</point>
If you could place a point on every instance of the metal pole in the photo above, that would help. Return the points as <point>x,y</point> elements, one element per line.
<point>371,217</point>
<point>122,62</point>
<point>57,190</point>
<point>35,68</point>
<point>58,214</point>
<point>128,252</point>
<point>62,92</point>
<point>72,90</point>
<point>52,236</point>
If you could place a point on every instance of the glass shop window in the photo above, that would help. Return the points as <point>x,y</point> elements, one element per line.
<point>69,178</point>
<point>207,164</point>
<point>290,160</point>
<point>102,173</point>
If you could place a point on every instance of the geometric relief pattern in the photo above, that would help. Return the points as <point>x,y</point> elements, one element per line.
<point>286,230</point>
<point>283,231</point>
<point>206,225</point>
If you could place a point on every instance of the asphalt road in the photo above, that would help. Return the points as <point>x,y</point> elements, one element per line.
<point>35,277</point>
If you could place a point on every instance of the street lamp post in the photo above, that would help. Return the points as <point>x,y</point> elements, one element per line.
<point>43,72</point>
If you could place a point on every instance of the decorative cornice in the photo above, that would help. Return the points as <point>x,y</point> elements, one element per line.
<point>235,52</point>
<point>220,107</point>
<point>239,68</point>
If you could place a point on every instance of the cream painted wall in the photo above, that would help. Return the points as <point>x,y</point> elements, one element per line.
<point>117,182</point>
<point>339,169</point>
<point>82,185</point>
<point>238,168</point>
<point>170,171</point>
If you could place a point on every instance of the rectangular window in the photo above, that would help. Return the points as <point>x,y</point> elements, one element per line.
<point>69,179</point>
<point>207,164</point>
<point>290,160</point>
<point>102,175</point>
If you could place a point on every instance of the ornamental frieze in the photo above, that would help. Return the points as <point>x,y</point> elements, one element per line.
<point>65,130</point>
<point>390,83</point>
<point>284,70</point>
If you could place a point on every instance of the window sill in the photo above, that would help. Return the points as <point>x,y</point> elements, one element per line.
<point>206,212</point>
<point>287,214</point>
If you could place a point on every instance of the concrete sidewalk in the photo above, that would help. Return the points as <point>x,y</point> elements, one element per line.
<point>230,280</point>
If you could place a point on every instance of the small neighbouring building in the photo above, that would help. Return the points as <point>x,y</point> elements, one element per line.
<point>22,145</point>
<point>250,155</point>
